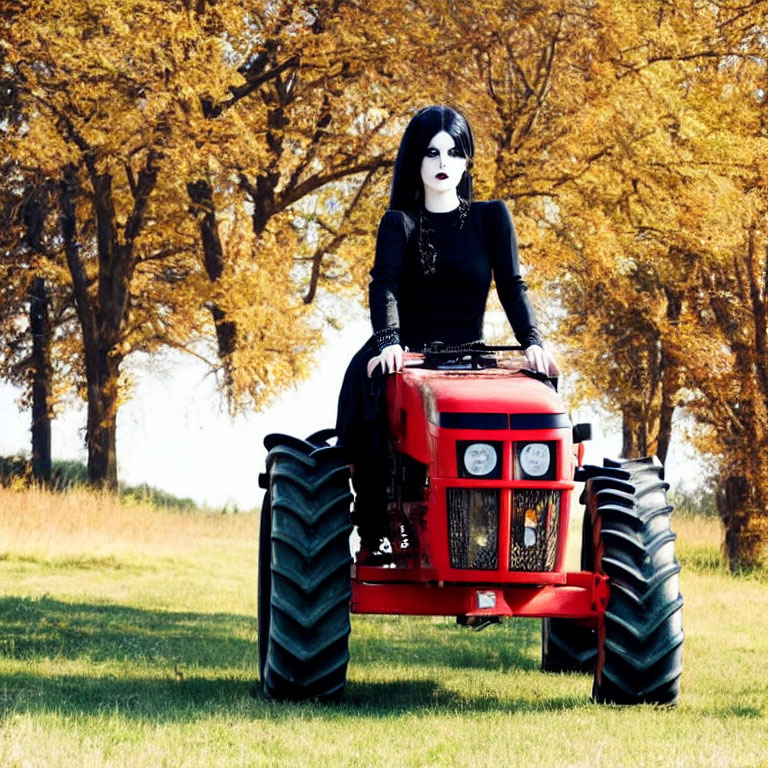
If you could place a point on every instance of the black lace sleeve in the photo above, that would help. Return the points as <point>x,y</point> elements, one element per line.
<point>510,286</point>
<point>386,274</point>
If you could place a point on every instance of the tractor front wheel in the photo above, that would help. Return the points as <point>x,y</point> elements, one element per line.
<point>640,636</point>
<point>304,569</point>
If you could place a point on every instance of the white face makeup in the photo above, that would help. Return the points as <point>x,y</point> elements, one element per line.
<point>442,166</point>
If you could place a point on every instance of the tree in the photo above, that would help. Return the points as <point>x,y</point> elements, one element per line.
<point>131,108</point>
<point>313,127</point>
<point>26,357</point>
<point>665,272</point>
<point>96,119</point>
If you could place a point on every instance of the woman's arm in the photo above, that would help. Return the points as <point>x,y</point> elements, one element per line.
<point>386,274</point>
<point>510,286</point>
<point>384,290</point>
<point>513,292</point>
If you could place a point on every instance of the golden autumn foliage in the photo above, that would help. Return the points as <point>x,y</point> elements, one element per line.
<point>163,124</point>
<point>664,273</point>
<point>216,171</point>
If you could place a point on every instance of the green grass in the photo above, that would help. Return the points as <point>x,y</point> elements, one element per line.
<point>137,647</point>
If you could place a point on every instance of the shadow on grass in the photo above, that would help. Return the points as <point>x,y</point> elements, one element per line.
<point>133,697</point>
<point>407,696</point>
<point>44,628</point>
<point>169,665</point>
<point>137,663</point>
<point>515,644</point>
<point>402,697</point>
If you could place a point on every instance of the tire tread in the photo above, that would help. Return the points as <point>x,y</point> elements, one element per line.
<point>309,627</point>
<point>640,639</point>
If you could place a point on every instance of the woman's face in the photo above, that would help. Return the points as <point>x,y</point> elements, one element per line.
<point>443,164</point>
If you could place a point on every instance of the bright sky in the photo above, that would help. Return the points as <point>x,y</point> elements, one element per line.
<point>175,433</point>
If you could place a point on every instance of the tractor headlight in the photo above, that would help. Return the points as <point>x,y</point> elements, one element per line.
<point>535,459</point>
<point>480,459</point>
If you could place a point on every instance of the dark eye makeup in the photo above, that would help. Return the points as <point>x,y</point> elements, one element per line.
<point>453,152</point>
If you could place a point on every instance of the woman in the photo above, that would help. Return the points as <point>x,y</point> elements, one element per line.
<point>436,252</point>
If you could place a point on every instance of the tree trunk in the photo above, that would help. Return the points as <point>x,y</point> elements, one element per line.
<point>670,386</point>
<point>102,360</point>
<point>40,326</point>
<point>735,502</point>
<point>665,431</point>
<point>103,380</point>
<point>103,348</point>
<point>33,215</point>
<point>101,321</point>
<point>201,195</point>
<point>634,432</point>
<point>100,436</point>
<point>628,442</point>
<point>672,377</point>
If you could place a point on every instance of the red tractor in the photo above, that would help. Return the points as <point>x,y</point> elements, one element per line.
<point>484,462</point>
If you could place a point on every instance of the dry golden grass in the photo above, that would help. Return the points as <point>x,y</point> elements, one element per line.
<point>699,531</point>
<point>700,547</point>
<point>81,523</point>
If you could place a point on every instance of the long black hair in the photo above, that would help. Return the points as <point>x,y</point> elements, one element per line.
<point>407,188</point>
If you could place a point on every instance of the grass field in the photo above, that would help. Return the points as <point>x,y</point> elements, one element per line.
<point>128,638</point>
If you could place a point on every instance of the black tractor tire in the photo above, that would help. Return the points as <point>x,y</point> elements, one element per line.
<point>304,620</point>
<point>265,580</point>
<point>640,636</point>
<point>567,645</point>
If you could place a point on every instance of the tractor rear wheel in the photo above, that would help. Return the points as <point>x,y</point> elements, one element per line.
<point>567,645</point>
<point>304,610</point>
<point>265,580</point>
<point>640,636</point>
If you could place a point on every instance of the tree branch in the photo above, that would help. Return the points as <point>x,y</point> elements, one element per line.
<point>317,258</point>
<point>254,82</point>
<point>318,181</point>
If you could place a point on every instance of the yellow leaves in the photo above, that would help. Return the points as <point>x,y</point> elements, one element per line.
<point>606,169</point>
<point>120,73</point>
<point>274,336</point>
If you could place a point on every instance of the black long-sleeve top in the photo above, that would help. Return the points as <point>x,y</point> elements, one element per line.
<point>413,309</point>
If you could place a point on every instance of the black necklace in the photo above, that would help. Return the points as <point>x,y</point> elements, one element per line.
<point>426,246</point>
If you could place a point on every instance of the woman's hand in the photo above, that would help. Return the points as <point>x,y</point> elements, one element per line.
<point>541,361</point>
<point>390,358</point>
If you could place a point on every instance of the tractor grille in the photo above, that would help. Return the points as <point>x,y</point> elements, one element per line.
<point>535,525</point>
<point>473,528</point>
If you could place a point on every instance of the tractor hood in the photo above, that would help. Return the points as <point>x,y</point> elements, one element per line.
<point>491,391</point>
<point>426,403</point>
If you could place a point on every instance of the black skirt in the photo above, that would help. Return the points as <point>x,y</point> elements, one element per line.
<point>362,425</point>
<point>361,417</point>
